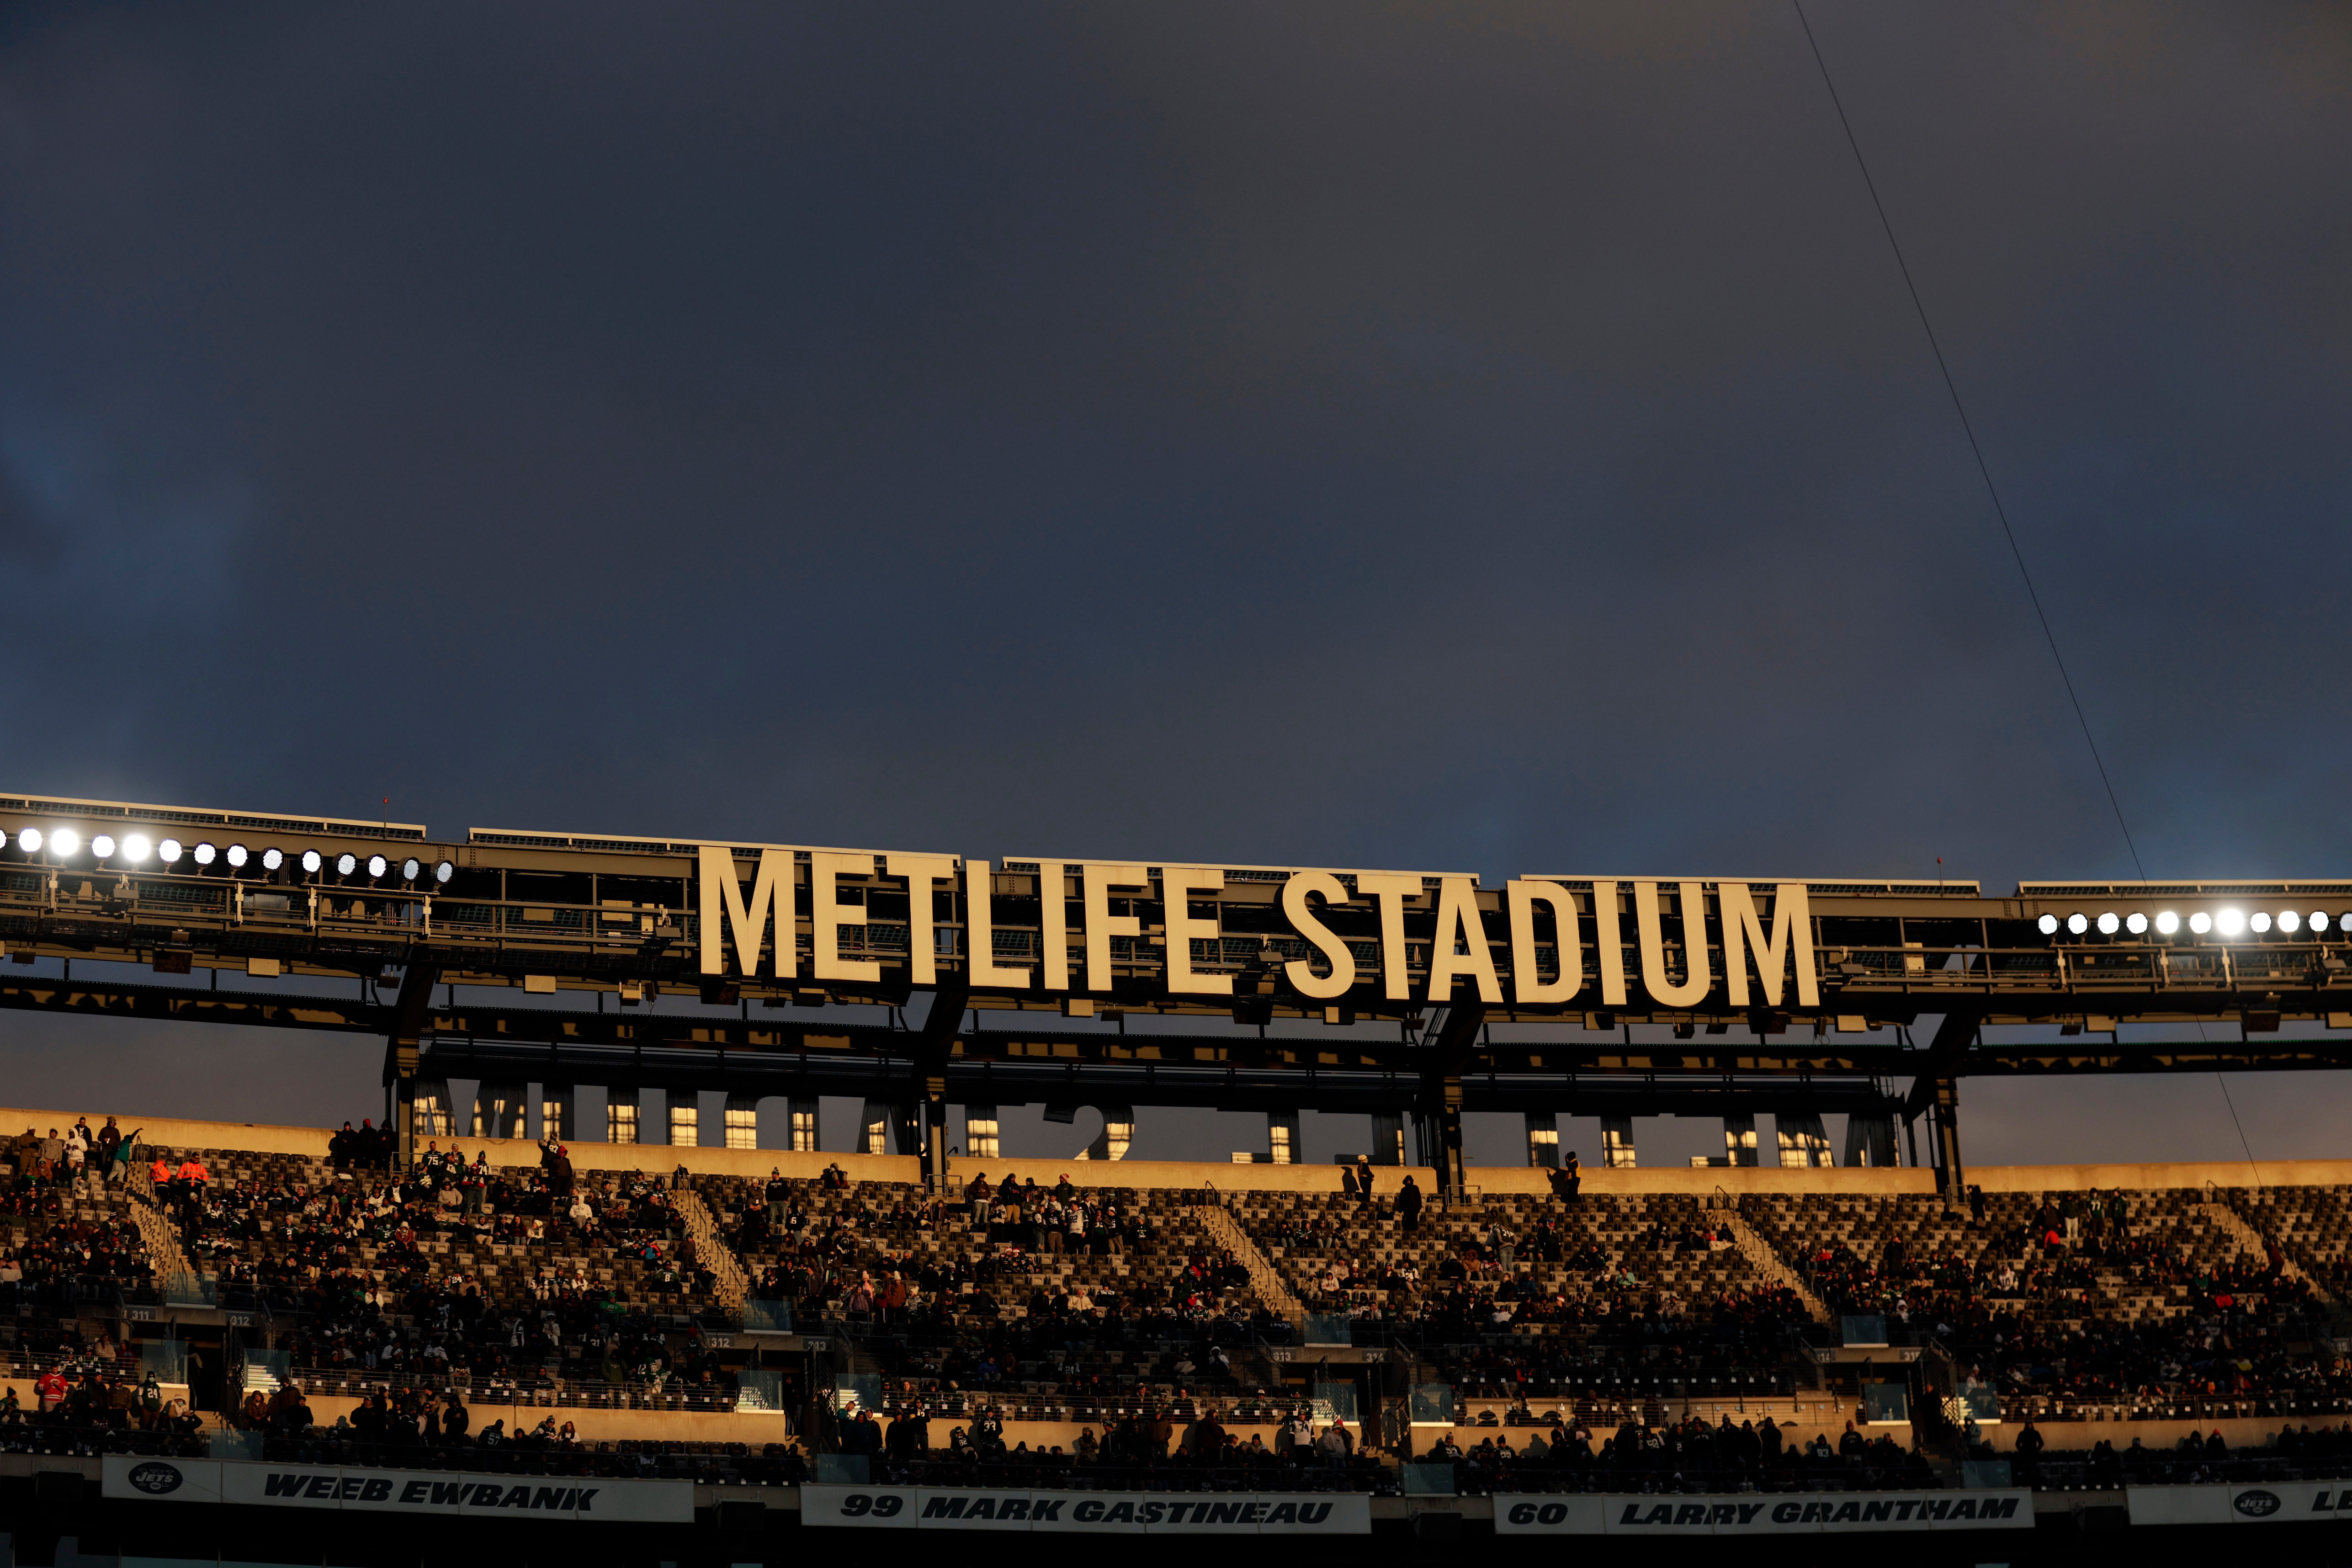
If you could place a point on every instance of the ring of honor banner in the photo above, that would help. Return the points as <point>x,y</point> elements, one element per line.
<point>2275,1502</point>
<point>374,1490</point>
<point>1797,1514</point>
<point>1105,1513</point>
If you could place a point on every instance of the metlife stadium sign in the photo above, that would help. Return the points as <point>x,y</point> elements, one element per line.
<point>1800,1514</point>
<point>1088,1513</point>
<point>453,1494</point>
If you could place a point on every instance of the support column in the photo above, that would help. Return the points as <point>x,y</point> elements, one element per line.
<point>874,1128</point>
<point>1739,1139</point>
<point>1870,1140</point>
<point>499,1109</point>
<point>926,1130</point>
<point>1119,1132</point>
<point>1543,1140</point>
<point>620,1113</point>
<point>1282,1138</point>
<point>1451,1172</point>
<point>1617,1142</point>
<point>935,1136</point>
<point>741,1120</point>
<point>412,1013</point>
<point>1948,1139</point>
<point>558,1108</point>
<point>685,1116</point>
<point>1803,1143</point>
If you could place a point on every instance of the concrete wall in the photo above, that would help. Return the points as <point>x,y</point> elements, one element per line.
<point>1227,1177</point>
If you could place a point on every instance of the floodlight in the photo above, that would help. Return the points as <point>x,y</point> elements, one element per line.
<point>29,841</point>
<point>2200,922</point>
<point>2136,922</point>
<point>237,857</point>
<point>444,871</point>
<point>346,863</point>
<point>204,853</point>
<point>63,842</point>
<point>377,865</point>
<point>170,851</point>
<point>2261,923</point>
<point>2075,924</point>
<point>409,868</point>
<point>2290,920</point>
<point>310,861</point>
<point>2167,922</point>
<point>272,858</point>
<point>2049,924</point>
<point>135,847</point>
<point>2318,919</point>
<point>2230,923</point>
<point>2108,922</point>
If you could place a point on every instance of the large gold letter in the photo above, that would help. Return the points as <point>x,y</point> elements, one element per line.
<point>826,917</point>
<point>1101,924</point>
<point>1176,885</point>
<point>1696,981</point>
<point>923,938</point>
<point>722,902</point>
<point>1298,972</point>
<point>1457,919</point>
<point>1390,894</point>
<point>1608,941</point>
<point>1522,897</point>
<point>1792,937</point>
<point>979,932</point>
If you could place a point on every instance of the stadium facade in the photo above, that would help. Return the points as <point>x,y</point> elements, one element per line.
<point>1827,1345</point>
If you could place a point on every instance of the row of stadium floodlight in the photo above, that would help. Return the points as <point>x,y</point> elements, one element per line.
<point>2224,922</point>
<point>135,850</point>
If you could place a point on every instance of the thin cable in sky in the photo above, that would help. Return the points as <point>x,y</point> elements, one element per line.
<point>1998,511</point>
<point>1959,408</point>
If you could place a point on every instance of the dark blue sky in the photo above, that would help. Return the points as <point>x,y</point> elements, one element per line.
<point>1485,436</point>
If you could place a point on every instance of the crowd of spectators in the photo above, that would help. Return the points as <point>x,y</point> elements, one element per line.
<point>1745,1454</point>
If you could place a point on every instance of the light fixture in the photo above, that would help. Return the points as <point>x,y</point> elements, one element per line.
<point>2319,919</point>
<point>135,848</point>
<point>310,861</point>
<point>29,841</point>
<point>2167,922</point>
<point>205,853</point>
<point>346,863</point>
<point>2200,922</point>
<point>2049,924</point>
<point>409,868</point>
<point>64,843</point>
<point>170,851</point>
<point>272,858</point>
<point>445,870</point>
<point>2134,922</point>
<point>103,846</point>
<point>237,855</point>
<point>2075,924</point>
<point>377,865</point>
<point>2108,922</point>
<point>2290,920</point>
<point>2261,923</point>
<point>2230,923</point>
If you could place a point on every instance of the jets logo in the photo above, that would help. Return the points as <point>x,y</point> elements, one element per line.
<point>155,1478</point>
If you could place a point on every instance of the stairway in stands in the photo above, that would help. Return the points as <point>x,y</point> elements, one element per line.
<point>711,1249</point>
<point>1768,1261</point>
<point>1264,1279</point>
